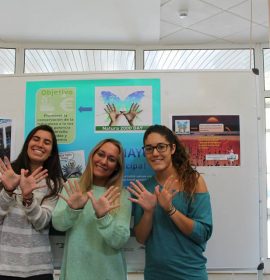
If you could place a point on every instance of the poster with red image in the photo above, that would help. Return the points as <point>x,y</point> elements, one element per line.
<point>211,140</point>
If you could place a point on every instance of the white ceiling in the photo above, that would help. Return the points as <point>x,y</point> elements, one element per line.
<point>137,22</point>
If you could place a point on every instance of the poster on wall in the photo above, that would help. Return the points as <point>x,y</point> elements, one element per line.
<point>83,112</point>
<point>5,137</point>
<point>211,140</point>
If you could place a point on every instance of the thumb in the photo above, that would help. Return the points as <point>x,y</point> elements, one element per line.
<point>157,192</point>
<point>91,196</point>
<point>23,172</point>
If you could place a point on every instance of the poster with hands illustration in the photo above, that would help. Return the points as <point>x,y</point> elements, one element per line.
<point>82,112</point>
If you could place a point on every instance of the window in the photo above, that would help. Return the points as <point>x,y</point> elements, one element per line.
<point>50,61</point>
<point>198,59</point>
<point>7,61</point>
<point>266,62</point>
<point>267,131</point>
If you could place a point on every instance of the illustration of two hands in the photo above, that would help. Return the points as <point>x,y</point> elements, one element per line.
<point>114,115</point>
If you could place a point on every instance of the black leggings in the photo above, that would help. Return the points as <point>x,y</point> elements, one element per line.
<point>37,277</point>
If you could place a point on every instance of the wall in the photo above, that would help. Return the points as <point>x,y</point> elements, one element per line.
<point>234,191</point>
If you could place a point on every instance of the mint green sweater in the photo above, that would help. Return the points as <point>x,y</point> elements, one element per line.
<point>93,246</point>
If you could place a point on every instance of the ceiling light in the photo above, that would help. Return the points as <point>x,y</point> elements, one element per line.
<point>183,14</point>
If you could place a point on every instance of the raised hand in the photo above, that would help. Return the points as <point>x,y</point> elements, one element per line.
<point>106,202</point>
<point>112,112</point>
<point>168,192</point>
<point>132,113</point>
<point>8,177</point>
<point>75,199</point>
<point>28,183</point>
<point>144,198</point>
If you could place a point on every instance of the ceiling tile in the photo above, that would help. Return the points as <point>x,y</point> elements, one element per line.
<point>259,10</point>
<point>168,28</point>
<point>221,25</point>
<point>259,34</point>
<point>196,10</point>
<point>224,4</point>
<point>185,36</point>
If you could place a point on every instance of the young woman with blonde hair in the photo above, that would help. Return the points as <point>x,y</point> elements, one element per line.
<point>95,214</point>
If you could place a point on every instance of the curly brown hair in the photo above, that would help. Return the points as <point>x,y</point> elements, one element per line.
<point>180,159</point>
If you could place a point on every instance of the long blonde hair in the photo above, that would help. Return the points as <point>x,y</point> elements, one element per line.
<point>86,180</point>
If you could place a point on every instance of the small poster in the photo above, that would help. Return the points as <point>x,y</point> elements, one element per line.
<point>119,108</point>
<point>211,140</point>
<point>5,137</point>
<point>72,163</point>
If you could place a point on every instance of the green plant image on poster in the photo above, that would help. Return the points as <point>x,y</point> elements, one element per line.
<point>56,107</point>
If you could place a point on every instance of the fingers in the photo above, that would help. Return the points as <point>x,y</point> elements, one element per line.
<point>132,191</point>
<point>40,174</point>
<point>110,108</point>
<point>7,162</point>
<point>111,192</point>
<point>138,186</point>
<point>40,187</point>
<point>171,183</point>
<point>91,196</point>
<point>3,167</point>
<point>135,108</point>
<point>174,193</point>
<point>114,206</point>
<point>76,186</point>
<point>157,192</point>
<point>73,185</point>
<point>24,172</point>
<point>67,189</point>
<point>133,199</point>
<point>114,197</point>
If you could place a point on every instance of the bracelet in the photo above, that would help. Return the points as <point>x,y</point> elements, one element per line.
<point>170,208</point>
<point>171,211</point>
<point>27,201</point>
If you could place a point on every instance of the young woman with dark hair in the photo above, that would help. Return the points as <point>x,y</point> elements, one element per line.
<point>173,212</point>
<point>29,192</point>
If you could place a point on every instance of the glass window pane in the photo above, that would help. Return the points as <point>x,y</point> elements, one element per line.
<point>51,61</point>
<point>7,61</point>
<point>266,64</point>
<point>204,59</point>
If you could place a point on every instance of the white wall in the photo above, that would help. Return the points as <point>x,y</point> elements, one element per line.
<point>192,93</point>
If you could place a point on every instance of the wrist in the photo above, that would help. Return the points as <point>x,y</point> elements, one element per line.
<point>171,210</point>
<point>27,200</point>
<point>149,211</point>
<point>100,216</point>
<point>9,192</point>
<point>168,208</point>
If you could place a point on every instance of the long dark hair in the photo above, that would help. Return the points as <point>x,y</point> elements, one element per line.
<point>52,164</point>
<point>180,159</point>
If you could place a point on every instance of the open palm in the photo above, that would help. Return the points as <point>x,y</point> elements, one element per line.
<point>143,197</point>
<point>8,177</point>
<point>75,199</point>
<point>106,202</point>
<point>28,183</point>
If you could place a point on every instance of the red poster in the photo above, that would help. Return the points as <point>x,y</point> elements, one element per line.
<point>210,140</point>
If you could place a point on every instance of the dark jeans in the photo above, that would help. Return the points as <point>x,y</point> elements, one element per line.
<point>37,277</point>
